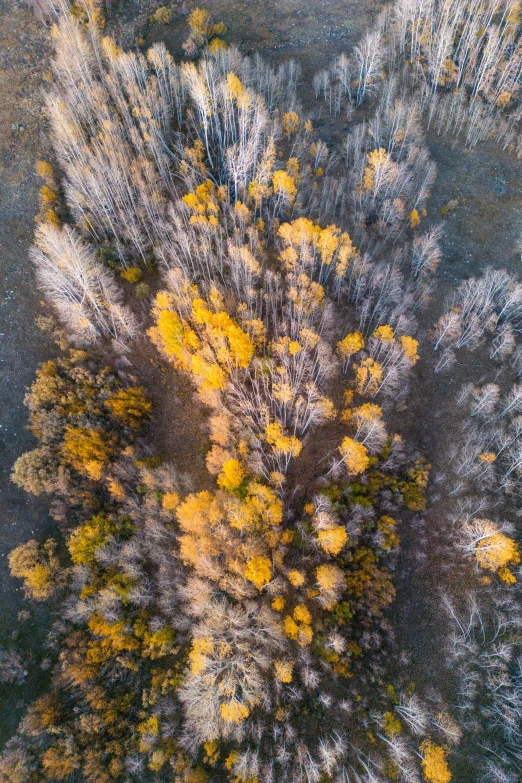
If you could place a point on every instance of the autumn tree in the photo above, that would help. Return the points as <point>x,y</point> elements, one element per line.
<point>39,567</point>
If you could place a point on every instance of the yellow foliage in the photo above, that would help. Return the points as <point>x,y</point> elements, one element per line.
<point>149,726</point>
<point>130,406</point>
<point>170,501</point>
<point>292,168</point>
<point>176,339</point>
<point>280,713</point>
<point>87,450</point>
<point>162,15</point>
<point>198,654</point>
<point>278,604</point>
<point>392,725</point>
<point>277,478</point>
<point>86,539</point>
<point>384,333</point>
<point>232,474</point>
<point>211,752</point>
<point>295,578</point>
<point>434,766</point>
<point>329,577</point>
<point>259,571</point>
<point>215,459</point>
<point>216,44</point>
<point>196,156</point>
<point>47,197</point>
<point>414,218</point>
<point>212,375</point>
<point>260,508</point>
<point>375,160</point>
<point>288,445</point>
<point>237,91</point>
<point>290,123</point>
<point>132,274</point>
<point>199,20</point>
<point>367,412</point>
<point>503,99</point>
<point>409,346</point>
<point>507,576</point>
<point>204,205</point>
<point>231,759</point>
<point>386,525</point>
<point>304,635</point>
<point>230,345</point>
<point>39,568</point>
<point>115,637</point>
<point>332,541</point>
<point>220,326</point>
<point>60,762</point>
<point>284,185</point>
<point>368,377</point>
<point>201,26</point>
<point>197,512</point>
<point>351,344</point>
<point>328,243</point>
<point>283,671</point>
<point>116,489</point>
<point>302,615</point>
<point>220,429</point>
<point>488,456</point>
<point>291,628</point>
<point>45,171</point>
<point>497,551</point>
<point>243,213</point>
<point>355,456</point>
<point>258,191</point>
<point>233,711</point>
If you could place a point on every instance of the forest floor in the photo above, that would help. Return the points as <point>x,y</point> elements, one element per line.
<point>484,229</point>
<point>24,57</point>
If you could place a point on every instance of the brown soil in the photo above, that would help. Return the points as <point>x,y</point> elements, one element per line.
<point>24,52</point>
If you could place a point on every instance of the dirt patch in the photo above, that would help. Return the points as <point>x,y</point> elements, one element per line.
<point>24,54</point>
<point>179,431</point>
<point>311,32</point>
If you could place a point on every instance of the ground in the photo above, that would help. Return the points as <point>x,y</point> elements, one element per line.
<point>24,53</point>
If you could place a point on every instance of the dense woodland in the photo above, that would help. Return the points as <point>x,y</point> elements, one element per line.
<point>191,211</point>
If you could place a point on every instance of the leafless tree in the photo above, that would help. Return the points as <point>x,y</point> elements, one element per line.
<point>84,294</point>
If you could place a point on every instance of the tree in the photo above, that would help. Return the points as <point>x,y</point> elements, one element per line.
<point>130,406</point>
<point>354,456</point>
<point>37,471</point>
<point>331,582</point>
<point>493,550</point>
<point>232,474</point>
<point>39,567</point>
<point>369,377</point>
<point>202,32</point>
<point>259,571</point>
<point>11,667</point>
<point>352,344</point>
<point>85,296</point>
<point>434,766</point>
<point>87,450</point>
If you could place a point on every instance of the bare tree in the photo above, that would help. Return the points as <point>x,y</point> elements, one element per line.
<point>84,294</point>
